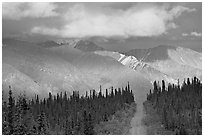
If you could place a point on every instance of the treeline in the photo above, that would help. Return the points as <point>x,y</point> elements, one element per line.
<point>180,107</point>
<point>60,114</point>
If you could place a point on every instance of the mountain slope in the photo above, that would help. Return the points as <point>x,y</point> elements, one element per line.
<point>85,45</point>
<point>66,52</point>
<point>67,68</point>
<point>18,81</point>
<point>53,73</point>
<point>182,56</point>
<point>62,68</point>
<point>182,63</point>
<point>162,62</point>
<point>109,72</point>
<point>151,54</point>
<point>48,44</point>
<point>131,62</point>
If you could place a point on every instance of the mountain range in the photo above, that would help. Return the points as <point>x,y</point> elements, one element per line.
<point>74,64</point>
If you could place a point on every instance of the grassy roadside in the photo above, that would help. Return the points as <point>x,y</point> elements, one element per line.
<point>119,123</point>
<point>152,121</point>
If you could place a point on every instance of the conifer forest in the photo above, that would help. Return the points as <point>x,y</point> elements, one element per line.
<point>102,68</point>
<point>179,106</point>
<point>60,114</point>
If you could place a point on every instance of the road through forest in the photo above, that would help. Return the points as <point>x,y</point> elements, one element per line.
<point>137,127</point>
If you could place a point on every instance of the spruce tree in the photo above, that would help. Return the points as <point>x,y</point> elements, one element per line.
<point>10,112</point>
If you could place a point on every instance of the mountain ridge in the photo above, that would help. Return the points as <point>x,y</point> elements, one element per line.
<point>64,67</point>
<point>178,63</point>
<point>81,44</point>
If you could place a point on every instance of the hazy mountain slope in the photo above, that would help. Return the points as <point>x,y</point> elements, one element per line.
<point>151,54</point>
<point>83,45</point>
<point>182,63</point>
<point>186,56</point>
<point>108,72</point>
<point>131,62</point>
<point>176,70</point>
<point>66,52</point>
<point>91,60</point>
<point>70,42</point>
<point>99,68</point>
<point>18,81</point>
<point>49,44</point>
<point>53,73</point>
<point>64,68</point>
<point>173,64</point>
<point>14,42</point>
<point>182,56</point>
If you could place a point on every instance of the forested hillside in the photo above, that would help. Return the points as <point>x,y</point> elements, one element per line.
<point>180,107</point>
<point>61,114</point>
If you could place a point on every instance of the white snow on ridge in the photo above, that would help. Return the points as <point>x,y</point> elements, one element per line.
<point>128,60</point>
<point>182,63</point>
<point>121,57</point>
<point>139,66</point>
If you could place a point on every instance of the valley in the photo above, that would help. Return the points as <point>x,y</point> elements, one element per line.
<point>78,65</point>
<point>101,68</point>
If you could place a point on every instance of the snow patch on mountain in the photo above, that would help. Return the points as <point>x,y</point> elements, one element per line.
<point>131,62</point>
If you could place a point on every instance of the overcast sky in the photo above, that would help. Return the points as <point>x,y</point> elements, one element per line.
<point>116,26</point>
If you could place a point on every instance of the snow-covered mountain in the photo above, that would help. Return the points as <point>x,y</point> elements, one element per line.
<point>34,69</point>
<point>162,62</point>
<point>145,69</point>
<point>108,72</point>
<point>56,67</point>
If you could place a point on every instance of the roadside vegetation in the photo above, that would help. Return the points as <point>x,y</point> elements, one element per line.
<point>119,123</point>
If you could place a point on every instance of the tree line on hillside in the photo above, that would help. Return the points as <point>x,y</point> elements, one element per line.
<point>60,114</point>
<point>180,107</point>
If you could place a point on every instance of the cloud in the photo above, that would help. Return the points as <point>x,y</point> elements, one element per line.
<point>178,10</point>
<point>195,34</point>
<point>16,11</point>
<point>47,31</point>
<point>136,21</point>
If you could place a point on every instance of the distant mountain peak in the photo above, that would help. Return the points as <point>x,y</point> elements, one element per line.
<point>87,46</point>
<point>70,42</point>
<point>81,44</point>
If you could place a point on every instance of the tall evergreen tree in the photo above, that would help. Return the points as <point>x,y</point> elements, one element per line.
<point>10,112</point>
